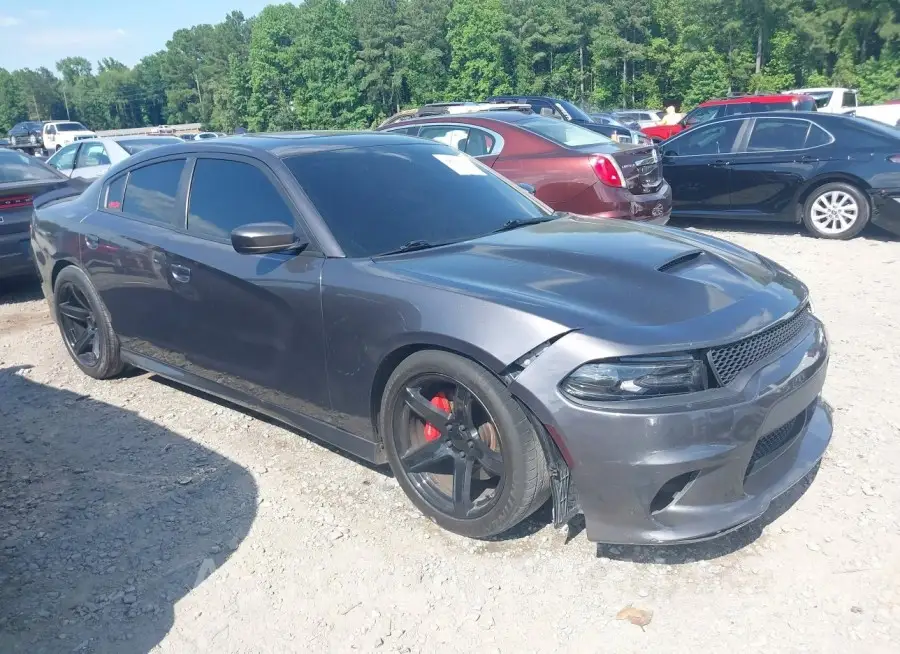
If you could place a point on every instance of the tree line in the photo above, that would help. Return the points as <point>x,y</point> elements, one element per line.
<point>349,63</point>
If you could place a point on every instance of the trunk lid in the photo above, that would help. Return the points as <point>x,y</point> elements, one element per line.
<point>17,202</point>
<point>641,165</point>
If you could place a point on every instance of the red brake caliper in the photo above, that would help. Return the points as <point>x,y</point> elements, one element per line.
<point>441,402</point>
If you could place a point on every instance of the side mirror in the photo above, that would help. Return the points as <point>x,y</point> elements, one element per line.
<point>264,238</point>
<point>528,187</point>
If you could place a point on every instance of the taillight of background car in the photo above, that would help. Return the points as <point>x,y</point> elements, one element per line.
<point>607,171</point>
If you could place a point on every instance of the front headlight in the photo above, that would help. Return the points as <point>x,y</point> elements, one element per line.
<point>636,377</point>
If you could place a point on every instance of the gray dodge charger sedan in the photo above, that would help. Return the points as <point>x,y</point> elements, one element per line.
<point>399,300</point>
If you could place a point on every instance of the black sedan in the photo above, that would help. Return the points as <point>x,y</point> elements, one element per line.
<point>398,299</point>
<point>27,135</point>
<point>833,173</point>
<point>25,182</point>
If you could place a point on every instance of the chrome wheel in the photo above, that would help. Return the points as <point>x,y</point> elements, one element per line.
<point>834,212</point>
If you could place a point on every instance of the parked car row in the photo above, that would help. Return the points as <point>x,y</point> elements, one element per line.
<point>404,302</point>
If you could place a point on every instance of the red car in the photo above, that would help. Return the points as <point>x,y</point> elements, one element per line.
<point>570,168</point>
<point>742,104</point>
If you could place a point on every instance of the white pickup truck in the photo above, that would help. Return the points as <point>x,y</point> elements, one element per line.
<point>836,100</point>
<point>60,133</point>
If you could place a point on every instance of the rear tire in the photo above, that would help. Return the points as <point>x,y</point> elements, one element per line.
<point>502,459</point>
<point>836,211</point>
<point>85,325</point>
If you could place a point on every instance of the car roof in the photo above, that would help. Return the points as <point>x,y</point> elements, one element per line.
<point>499,116</point>
<point>279,145</point>
<point>742,99</point>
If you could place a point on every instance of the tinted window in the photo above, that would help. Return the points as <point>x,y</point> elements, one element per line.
<point>455,136</point>
<point>65,158</point>
<point>805,105</point>
<point>411,131</point>
<point>711,139</point>
<point>739,108</point>
<point>544,109</point>
<point>817,136</point>
<point>778,134</point>
<point>16,167</point>
<point>849,99</point>
<point>71,127</point>
<point>152,190</point>
<point>115,193</point>
<point>403,193</point>
<point>574,112</point>
<point>92,154</point>
<point>822,98</point>
<point>567,134</point>
<point>227,194</point>
<point>133,146</point>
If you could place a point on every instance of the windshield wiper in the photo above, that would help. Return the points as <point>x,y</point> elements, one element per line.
<point>412,246</point>
<point>522,222</point>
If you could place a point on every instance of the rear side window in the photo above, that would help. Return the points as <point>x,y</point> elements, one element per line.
<point>115,193</point>
<point>455,136</point>
<point>771,134</point>
<point>739,108</point>
<point>480,143</point>
<point>849,99</point>
<point>152,190</point>
<point>227,194</point>
<point>817,136</point>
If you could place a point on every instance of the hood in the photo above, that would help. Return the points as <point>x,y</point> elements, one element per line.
<point>625,282</point>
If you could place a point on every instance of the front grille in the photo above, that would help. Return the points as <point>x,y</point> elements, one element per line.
<point>82,138</point>
<point>778,439</point>
<point>729,361</point>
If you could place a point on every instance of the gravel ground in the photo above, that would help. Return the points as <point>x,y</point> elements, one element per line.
<point>136,517</point>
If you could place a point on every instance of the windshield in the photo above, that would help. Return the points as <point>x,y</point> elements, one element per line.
<point>71,127</point>
<point>567,134</point>
<point>574,112</point>
<point>377,199</point>
<point>822,98</point>
<point>133,146</point>
<point>16,167</point>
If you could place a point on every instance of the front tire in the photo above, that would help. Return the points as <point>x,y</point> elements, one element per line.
<point>85,325</point>
<point>836,211</point>
<point>460,445</point>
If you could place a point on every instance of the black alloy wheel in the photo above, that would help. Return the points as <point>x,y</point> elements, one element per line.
<point>78,324</point>
<point>452,457</point>
<point>85,325</point>
<point>461,446</point>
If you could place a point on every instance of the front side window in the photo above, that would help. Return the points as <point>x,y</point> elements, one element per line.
<point>92,154</point>
<point>822,98</point>
<point>707,140</point>
<point>454,197</point>
<point>226,194</point>
<point>152,191</point>
<point>773,134</point>
<point>567,134</point>
<point>65,158</point>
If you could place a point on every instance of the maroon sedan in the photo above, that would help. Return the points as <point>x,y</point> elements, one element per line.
<point>571,168</point>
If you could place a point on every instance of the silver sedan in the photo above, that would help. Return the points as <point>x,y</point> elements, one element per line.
<point>90,158</point>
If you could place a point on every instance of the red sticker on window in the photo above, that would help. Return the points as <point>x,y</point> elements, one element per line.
<point>114,204</point>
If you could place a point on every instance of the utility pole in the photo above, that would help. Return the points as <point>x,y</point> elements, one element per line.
<point>37,111</point>
<point>66,101</point>
<point>581,76</point>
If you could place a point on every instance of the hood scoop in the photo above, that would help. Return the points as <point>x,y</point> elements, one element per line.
<point>680,260</point>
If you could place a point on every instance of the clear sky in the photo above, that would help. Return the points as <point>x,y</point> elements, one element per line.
<point>39,33</point>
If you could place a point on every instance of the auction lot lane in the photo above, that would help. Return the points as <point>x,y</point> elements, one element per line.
<point>312,551</point>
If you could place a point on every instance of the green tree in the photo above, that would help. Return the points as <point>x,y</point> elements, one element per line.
<point>479,66</point>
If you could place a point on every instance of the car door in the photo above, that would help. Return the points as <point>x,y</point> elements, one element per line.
<point>251,322</point>
<point>64,160</point>
<point>91,161</point>
<point>124,246</point>
<point>696,163</point>
<point>483,144</point>
<point>776,157</point>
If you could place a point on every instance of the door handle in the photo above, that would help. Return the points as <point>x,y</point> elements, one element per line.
<point>91,241</point>
<point>180,273</point>
<point>720,163</point>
